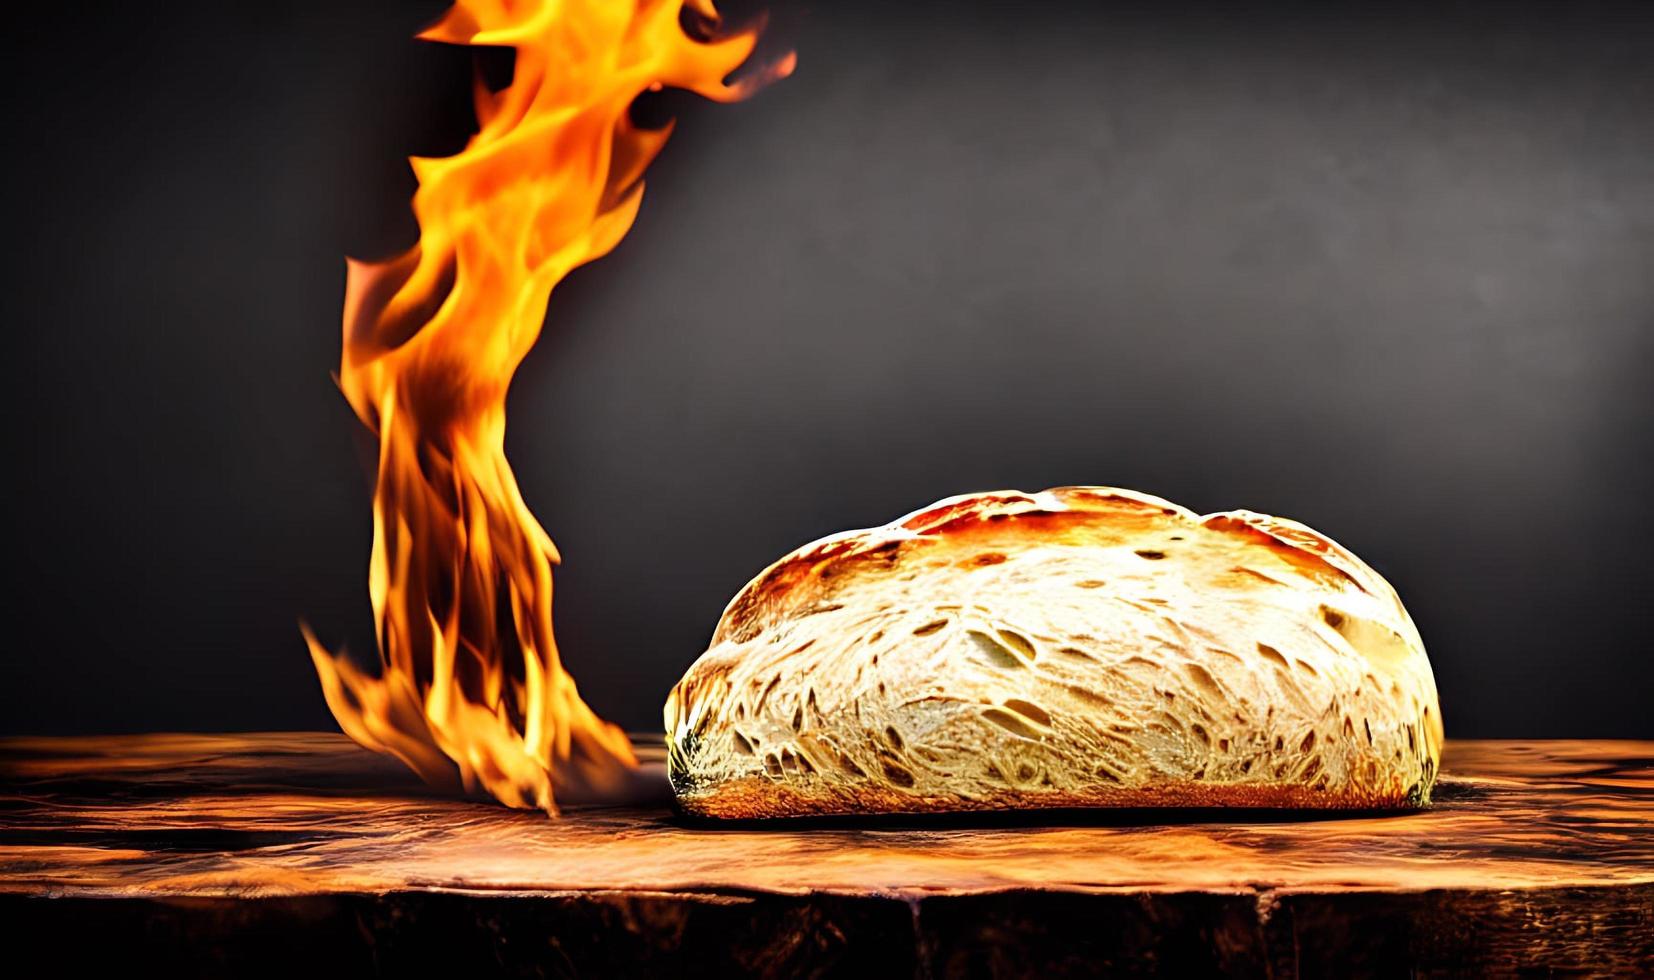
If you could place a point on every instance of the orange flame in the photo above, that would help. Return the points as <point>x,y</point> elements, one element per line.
<point>472,691</point>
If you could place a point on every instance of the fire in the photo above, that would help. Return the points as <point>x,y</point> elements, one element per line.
<point>472,692</point>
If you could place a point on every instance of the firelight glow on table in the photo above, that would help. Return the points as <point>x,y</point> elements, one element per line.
<point>267,851</point>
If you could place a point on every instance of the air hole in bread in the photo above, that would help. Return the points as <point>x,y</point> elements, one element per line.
<point>1199,731</point>
<point>1306,668</point>
<point>896,773</point>
<point>1332,617</point>
<point>1090,583</point>
<point>1010,722</point>
<point>1149,553</point>
<point>1308,743</point>
<point>1235,661</point>
<point>1204,680</point>
<point>930,627</point>
<point>1000,653</point>
<point>1029,710</point>
<point>798,718</point>
<point>1255,573</point>
<point>894,737</point>
<point>990,558</point>
<point>1088,696</point>
<point>1271,653</point>
<point>1368,725</point>
<point>758,705</point>
<point>1018,643</point>
<point>741,744</point>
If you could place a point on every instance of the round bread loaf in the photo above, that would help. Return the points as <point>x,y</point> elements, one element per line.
<point>1081,647</point>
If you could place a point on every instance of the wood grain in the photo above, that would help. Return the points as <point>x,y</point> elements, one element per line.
<point>267,852</point>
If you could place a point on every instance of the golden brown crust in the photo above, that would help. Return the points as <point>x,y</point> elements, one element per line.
<point>755,798</point>
<point>990,516</point>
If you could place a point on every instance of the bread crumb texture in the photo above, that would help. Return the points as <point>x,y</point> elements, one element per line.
<point>1084,646</point>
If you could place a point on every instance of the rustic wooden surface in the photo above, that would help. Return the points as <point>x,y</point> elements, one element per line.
<point>271,853</point>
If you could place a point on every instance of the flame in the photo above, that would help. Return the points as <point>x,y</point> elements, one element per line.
<point>472,692</point>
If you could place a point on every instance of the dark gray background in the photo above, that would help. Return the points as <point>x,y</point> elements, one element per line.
<point>1387,272</point>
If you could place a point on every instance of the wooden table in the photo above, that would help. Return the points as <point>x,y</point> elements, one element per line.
<point>297,853</point>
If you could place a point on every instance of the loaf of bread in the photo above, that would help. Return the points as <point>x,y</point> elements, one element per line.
<point>1081,647</point>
